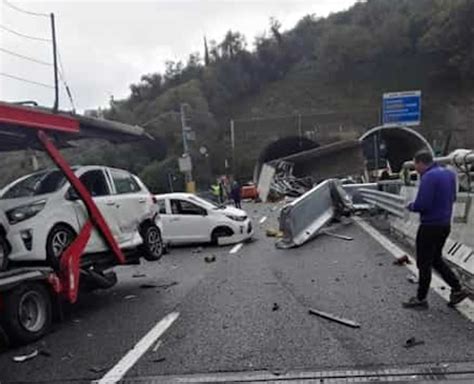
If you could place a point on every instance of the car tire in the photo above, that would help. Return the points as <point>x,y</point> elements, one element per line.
<point>27,313</point>
<point>4,251</point>
<point>59,238</point>
<point>152,246</point>
<point>220,232</point>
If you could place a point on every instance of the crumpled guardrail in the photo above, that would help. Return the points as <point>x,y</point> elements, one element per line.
<point>301,219</point>
<point>394,204</point>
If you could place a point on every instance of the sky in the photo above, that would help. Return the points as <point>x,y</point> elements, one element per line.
<point>104,46</point>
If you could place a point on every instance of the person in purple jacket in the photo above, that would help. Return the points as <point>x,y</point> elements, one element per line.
<point>434,202</point>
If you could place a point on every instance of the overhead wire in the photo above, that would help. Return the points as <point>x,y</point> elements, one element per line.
<point>26,80</point>
<point>29,58</point>
<point>18,9</point>
<point>23,35</point>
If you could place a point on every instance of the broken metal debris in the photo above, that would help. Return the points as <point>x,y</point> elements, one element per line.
<point>159,360</point>
<point>402,260</point>
<point>157,345</point>
<point>210,259</point>
<point>413,342</point>
<point>263,219</point>
<point>138,275</point>
<point>336,235</point>
<point>336,319</point>
<point>275,307</point>
<point>197,250</point>
<point>28,356</point>
<point>130,297</point>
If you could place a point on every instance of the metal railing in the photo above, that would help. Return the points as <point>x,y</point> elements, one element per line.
<point>394,204</point>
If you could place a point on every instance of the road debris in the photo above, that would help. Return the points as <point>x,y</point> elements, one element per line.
<point>263,219</point>
<point>412,279</point>
<point>197,250</point>
<point>96,369</point>
<point>336,235</point>
<point>157,345</point>
<point>138,275</point>
<point>159,360</point>
<point>45,352</point>
<point>275,307</point>
<point>28,356</point>
<point>67,356</point>
<point>271,232</point>
<point>130,297</point>
<point>413,342</point>
<point>148,286</point>
<point>210,259</point>
<point>336,319</point>
<point>167,285</point>
<point>402,260</point>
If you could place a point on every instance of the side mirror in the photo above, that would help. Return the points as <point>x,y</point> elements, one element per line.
<point>71,194</point>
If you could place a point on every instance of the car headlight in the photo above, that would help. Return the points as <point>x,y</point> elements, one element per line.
<point>24,212</point>
<point>236,218</point>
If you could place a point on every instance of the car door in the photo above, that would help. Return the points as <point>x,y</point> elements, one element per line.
<point>165,216</point>
<point>131,201</point>
<point>96,183</point>
<point>187,222</point>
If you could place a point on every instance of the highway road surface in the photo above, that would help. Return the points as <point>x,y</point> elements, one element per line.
<point>245,317</point>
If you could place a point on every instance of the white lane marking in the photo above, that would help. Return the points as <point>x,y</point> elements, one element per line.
<point>466,307</point>
<point>236,248</point>
<point>129,360</point>
<point>263,219</point>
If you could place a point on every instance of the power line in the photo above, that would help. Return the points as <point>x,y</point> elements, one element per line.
<point>23,10</point>
<point>23,35</point>
<point>25,80</point>
<point>25,57</point>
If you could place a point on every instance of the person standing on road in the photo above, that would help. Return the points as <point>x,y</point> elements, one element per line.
<point>434,202</point>
<point>235,194</point>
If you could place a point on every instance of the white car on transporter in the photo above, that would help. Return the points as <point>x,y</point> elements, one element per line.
<point>45,214</point>
<point>188,218</point>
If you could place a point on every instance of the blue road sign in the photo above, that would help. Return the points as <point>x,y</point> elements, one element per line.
<point>402,108</point>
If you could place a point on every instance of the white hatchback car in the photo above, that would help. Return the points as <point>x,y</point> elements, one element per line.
<point>45,214</point>
<point>190,219</point>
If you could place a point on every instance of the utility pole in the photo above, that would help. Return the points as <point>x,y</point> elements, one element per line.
<point>232,143</point>
<point>188,176</point>
<point>55,63</point>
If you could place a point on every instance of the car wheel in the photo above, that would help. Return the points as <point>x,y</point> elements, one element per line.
<point>27,313</point>
<point>4,251</point>
<point>152,243</point>
<point>59,238</point>
<point>220,232</point>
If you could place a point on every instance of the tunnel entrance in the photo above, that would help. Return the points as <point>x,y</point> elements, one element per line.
<point>391,146</point>
<point>281,148</point>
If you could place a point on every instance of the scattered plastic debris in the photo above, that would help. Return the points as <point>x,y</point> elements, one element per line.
<point>197,250</point>
<point>67,356</point>
<point>413,342</point>
<point>130,297</point>
<point>263,219</point>
<point>336,319</point>
<point>275,307</point>
<point>45,352</point>
<point>402,260</point>
<point>28,356</point>
<point>138,275</point>
<point>210,259</point>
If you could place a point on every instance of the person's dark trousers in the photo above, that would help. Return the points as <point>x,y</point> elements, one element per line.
<point>237,204</point>
<point>430,241</point>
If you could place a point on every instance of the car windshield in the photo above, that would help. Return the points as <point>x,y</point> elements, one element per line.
<point>205,203</point>
<point>35,184</point>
